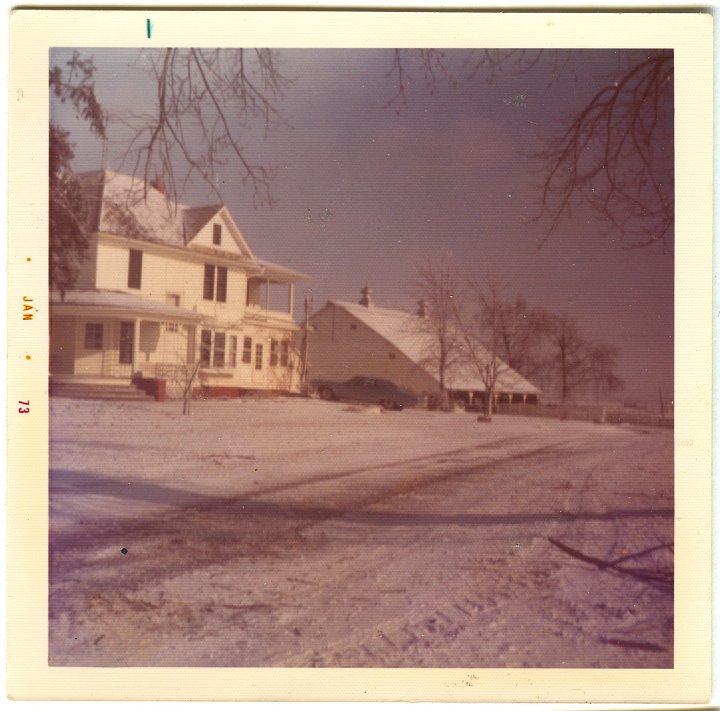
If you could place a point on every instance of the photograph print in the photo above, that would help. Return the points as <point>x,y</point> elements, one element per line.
<point>361,358</point>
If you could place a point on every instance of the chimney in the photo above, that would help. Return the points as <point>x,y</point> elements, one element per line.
<point>158,184</point>
<point>366,300</point>
<point>422,311</point>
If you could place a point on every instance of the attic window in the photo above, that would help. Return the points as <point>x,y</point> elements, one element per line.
<point>353,326</point>
<point>391,356</point>
<point>217,233</point>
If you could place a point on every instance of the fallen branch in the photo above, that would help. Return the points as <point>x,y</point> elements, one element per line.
<point>641,574</point>
<point>641,553</point>
<point>631,644</point>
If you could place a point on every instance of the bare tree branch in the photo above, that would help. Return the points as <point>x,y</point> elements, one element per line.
<point>613,155</point>
<point>206,100</point>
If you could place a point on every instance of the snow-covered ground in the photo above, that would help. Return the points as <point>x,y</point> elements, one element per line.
<point>291,532</point>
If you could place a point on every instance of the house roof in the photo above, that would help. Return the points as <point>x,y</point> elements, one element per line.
<point>405,331</point>
<point>122,302</point>
<point>123,205</point>
<point>119,205</point>
<point>195,218</point>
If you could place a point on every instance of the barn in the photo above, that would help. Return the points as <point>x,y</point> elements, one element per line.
<point>347,339</point>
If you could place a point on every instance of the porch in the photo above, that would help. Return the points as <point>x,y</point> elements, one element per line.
<point>112,337</point>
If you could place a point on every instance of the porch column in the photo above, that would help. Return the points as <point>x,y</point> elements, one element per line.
<point>136,345</point>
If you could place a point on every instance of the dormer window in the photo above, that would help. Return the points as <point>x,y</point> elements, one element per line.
<point>217,234</point>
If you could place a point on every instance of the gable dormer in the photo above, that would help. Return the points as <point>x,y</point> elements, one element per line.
<point>212,227</point>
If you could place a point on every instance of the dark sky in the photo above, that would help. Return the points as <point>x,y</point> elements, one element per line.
<point>451,172</point>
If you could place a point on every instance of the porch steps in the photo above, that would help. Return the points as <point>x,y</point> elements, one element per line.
<point>97,391</point>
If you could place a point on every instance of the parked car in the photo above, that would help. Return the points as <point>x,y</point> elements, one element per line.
<point>365,389</point>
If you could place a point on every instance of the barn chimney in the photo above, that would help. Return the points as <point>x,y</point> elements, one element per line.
<point>422,311</point>
<point>366,299</point>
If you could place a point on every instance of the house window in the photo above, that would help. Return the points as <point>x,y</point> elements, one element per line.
<point>232,352</point>
<point>217,234</point>
<point>391,355</point>
<point>93,336</point>
<point>274,352</point>
<point>205,347</point>
<point>210,292</point>
<point>209,282</point>
<point>171,326</point>
<point>221,293</point>
<point>135,269</point>
<point>284,353</point>
<point>258,356</point>
<point>247,349</point>
<point>353,326</point>
<point>219,350</point>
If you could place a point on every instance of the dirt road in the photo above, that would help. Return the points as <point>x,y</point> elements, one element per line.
<point>336,543</point>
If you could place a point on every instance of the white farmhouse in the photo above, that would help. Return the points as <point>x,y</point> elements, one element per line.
<point>348,339</point>
<point>169,290</point>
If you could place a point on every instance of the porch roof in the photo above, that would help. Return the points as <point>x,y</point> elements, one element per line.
<point>119,303</point>
<point>278,274</point>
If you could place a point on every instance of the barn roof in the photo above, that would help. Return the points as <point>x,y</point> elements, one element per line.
<point>408,334</point>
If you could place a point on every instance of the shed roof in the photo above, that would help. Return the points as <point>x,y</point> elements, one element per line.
<point>406,332</point>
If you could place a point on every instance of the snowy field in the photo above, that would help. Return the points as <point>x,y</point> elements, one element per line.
<point>291,532</point>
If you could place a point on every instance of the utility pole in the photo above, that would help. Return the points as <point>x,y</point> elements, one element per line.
<point>305,382</point>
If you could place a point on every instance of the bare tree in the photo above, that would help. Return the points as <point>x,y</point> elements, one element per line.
<point>482,334</point>
<point>187,374</point>
<point>602,363</point>
<point>438,284</point>
<point>613,154</point>
<point>581,365</point>
<point>523,335</point>
<point>569,354</point>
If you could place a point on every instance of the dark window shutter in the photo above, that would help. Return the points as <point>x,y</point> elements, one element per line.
<point>209,283</point>
<point>135,269</point>
<point>222,284</point>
